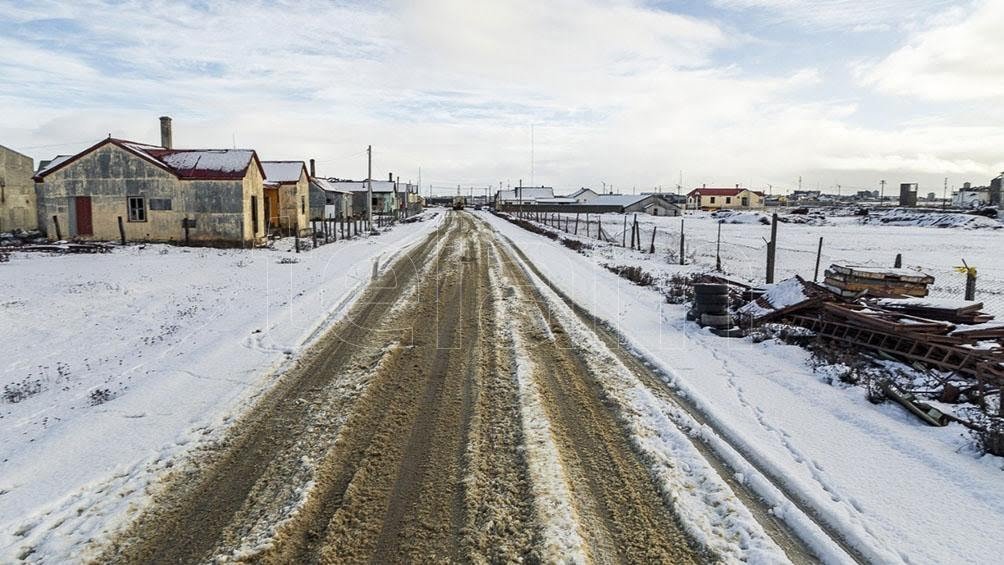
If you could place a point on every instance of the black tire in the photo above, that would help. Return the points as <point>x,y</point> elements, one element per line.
<point>716,320</point>
<point>711,308</point>
<point>704,289</point>
<point>709,299</point>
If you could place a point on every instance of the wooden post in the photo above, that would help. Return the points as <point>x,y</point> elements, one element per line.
<point>587,224</point>
<point>343,227</point>
<point>121,231</point>
<point>772,249</point>
<point>899,261</point>
<point>819,255</point>
<point>651,248</point>
<point>624,234</point>
<point>313,231</point>
<point>681,242</point>
<point>637,233</point>
<point>59,234</point>
<point>576,232</point>
<point>186,224</point>
<point>970,282</point>
<point>718,249</point>
<point>296,240</point>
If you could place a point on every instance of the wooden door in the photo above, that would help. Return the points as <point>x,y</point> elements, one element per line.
<point>85,225</point>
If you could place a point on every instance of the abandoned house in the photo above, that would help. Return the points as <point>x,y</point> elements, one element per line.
<point>18,210</point>
<point>386,199</point>
<point>154,193</point>
<point>286,196</point>
<point>329,202</point>
<point>705,198</point>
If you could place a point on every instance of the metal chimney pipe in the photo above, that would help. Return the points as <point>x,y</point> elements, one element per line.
<point>313,172</point>
<point>165,132</point>
<point>390,177</point>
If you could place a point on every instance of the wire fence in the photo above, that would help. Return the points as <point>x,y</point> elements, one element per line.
<point>739,250</point>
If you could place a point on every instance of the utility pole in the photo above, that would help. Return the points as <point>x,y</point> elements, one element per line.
<point>881,192</point>
<point>944,196</point>
<point>369,186</point>
<point>531,155</point>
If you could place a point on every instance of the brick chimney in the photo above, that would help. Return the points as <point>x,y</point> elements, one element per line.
<point>313,171</point>
<point>390,177</point>
<point>165,132</point>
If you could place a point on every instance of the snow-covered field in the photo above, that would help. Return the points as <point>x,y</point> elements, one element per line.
<point>934,250</point>
<point>116,364</point>
<point>895,489</point>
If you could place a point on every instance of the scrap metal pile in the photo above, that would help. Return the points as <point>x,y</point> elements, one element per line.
<point>883,311</point>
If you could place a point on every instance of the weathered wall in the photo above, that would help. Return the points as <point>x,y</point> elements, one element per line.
<point>18,207</point>
<point>253,195</point>
<point>294,208</point>
<point>109,175</point>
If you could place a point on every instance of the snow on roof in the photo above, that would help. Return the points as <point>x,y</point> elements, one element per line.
<point>283,171</point>
<point>580,192</point>
<point>360,185</point>
<point>189,164</point>
<point>55,162</point>
<point>327,185</point>
<point>527,193</point>
<point>557,200</point>
<point>615,200</point>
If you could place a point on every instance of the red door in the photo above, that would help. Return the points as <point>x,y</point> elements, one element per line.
<point>84,224</point>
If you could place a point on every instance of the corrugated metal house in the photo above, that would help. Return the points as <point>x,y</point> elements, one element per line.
<point>329,202</point>
<point>18,209</point>
<point>216,196</point>
<point>287,188</point>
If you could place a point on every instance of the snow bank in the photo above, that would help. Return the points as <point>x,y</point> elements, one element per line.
<point>907,217</point>
<point>124,361</point>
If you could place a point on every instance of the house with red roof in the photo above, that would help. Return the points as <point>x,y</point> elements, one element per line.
<point>738,198</point>
<point>154,193</point>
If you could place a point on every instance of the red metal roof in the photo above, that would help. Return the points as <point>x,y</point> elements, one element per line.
<point>716,191</point>
<point>187,164</point>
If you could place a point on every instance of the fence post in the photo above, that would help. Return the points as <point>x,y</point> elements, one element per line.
<point>772,249</point>
<point>718,249</point>
<point>121,231</point>
<point>59,234</point>
<point>313,231</point>
<point>296,240</point>
<point>624,234</point>
<point>899,261</point>
<point>587,224</point>
<point>819,255</point>
<point>576,223</point>
<point>970,280</point>
<point>681,241</point>
<point>185,223</point>
<point>651,248</point>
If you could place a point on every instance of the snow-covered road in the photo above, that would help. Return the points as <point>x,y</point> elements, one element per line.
<point>896,491</point>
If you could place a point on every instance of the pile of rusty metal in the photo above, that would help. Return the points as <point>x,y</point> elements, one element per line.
<point>953,336</point>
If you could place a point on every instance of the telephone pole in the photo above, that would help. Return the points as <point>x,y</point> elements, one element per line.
<point>369,186</point>
<point>881,192</point>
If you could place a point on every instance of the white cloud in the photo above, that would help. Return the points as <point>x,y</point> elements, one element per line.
<point>618,92</point>
<point>957,59</point>
<point>860,16</point>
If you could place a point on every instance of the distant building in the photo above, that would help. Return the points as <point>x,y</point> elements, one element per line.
<point>210,196</point>
<point>286,190</point>
<point>995,190</point>
<point>972,197</point>
<point>329,202</point>
<point>18,205</point>
<point>705,198</point>
<point>523,195</point>
<point>583,195</point>
<point>389,196</point>
<point>653,204</point>
<point>804,195</point>
<point>908,194</point>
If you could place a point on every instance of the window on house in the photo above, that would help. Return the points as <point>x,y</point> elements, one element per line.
<point>745,201</point>
<point>137,209</point>
<point>728,200</point>
<point>712,199</point>
<point>303,204</point>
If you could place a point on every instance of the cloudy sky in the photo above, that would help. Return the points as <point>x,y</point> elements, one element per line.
<point>627,93</point>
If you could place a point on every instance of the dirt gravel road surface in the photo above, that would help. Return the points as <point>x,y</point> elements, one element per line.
<point>446,418</point>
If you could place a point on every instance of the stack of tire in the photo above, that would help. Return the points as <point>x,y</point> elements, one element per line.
<point>711,305</point>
